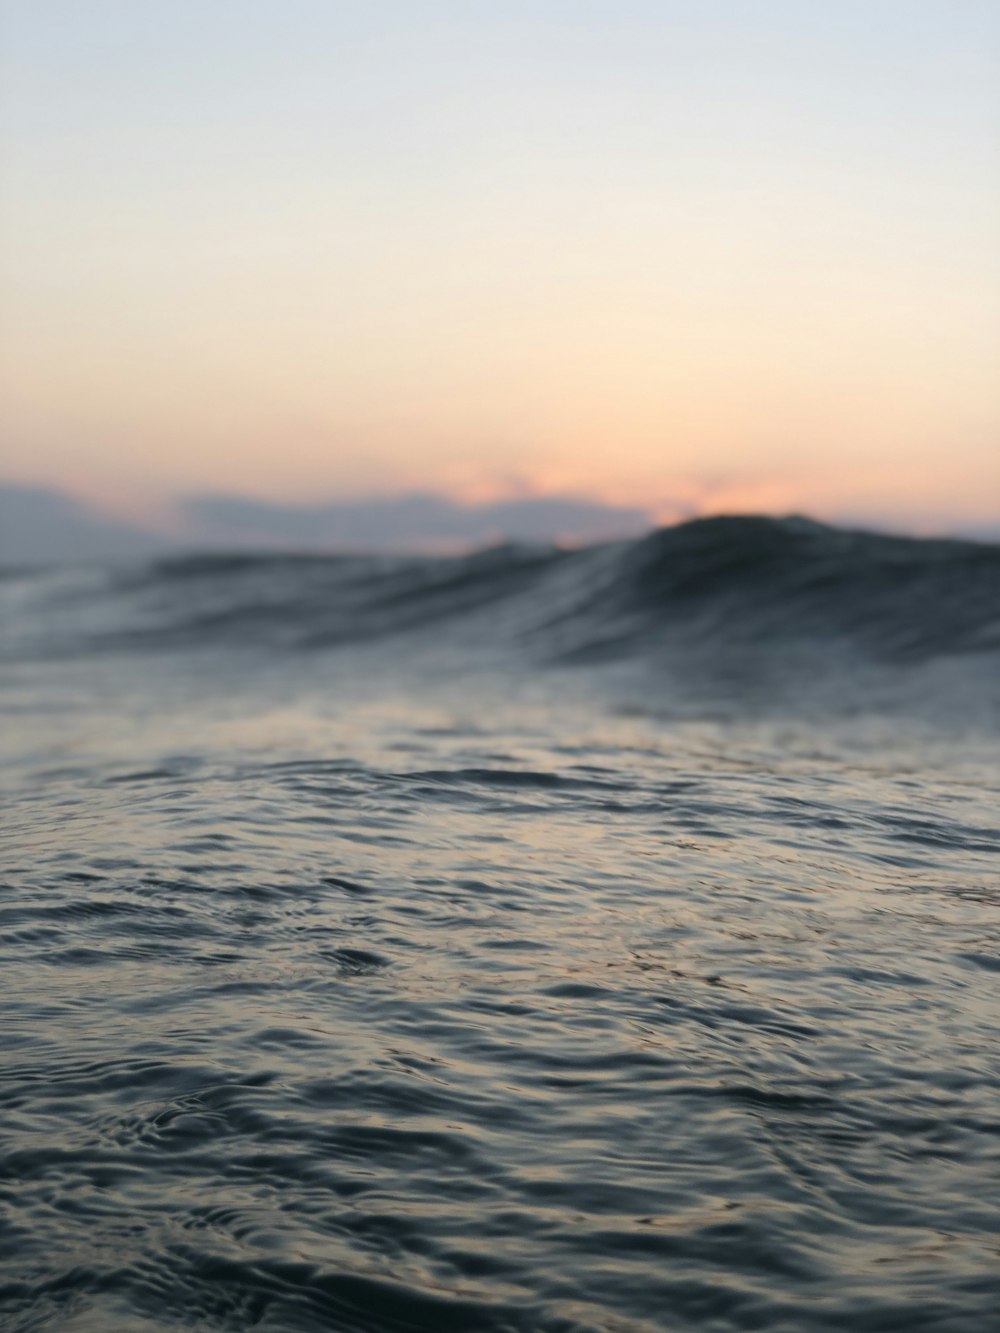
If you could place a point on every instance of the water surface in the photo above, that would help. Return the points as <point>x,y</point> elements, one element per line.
<point>537,942</point>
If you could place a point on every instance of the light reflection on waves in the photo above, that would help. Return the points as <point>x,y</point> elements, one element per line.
<point>495,1040</point>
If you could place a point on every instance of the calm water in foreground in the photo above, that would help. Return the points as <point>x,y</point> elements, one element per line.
<point>533,944</point>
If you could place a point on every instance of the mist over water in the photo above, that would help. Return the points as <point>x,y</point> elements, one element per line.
<point>532,942</point>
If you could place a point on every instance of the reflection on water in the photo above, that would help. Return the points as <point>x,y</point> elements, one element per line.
<point>370,989</point>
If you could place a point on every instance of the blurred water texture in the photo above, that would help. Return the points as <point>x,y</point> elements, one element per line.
<point>535,941</point>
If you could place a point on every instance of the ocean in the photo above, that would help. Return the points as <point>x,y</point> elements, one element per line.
<point>536,941</point>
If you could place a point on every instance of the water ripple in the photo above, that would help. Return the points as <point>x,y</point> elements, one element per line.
<point>670,1027</point>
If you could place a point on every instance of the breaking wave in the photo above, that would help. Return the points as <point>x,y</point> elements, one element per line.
<point>711,583</point>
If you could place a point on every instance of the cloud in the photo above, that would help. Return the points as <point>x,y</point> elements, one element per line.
<point>40,526</point>
<point>45,526</point>
<point>414,521</point>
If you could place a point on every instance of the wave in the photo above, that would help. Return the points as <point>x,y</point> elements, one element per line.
<point>741,582</point>
<point>757,578</point>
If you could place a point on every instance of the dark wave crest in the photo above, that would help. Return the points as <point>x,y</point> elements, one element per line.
<point>759,577</point>
<point>717,582</point>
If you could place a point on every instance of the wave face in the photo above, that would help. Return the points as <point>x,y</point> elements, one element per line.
<point>725,582</point>
<point>898,597</point>
<point>598,941</point>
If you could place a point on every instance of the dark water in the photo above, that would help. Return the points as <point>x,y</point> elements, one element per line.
<point>540,941</point>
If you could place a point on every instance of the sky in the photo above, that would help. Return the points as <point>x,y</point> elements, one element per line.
<point>692,255</point>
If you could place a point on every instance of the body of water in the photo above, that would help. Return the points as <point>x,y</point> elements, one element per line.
<point>534,942</point>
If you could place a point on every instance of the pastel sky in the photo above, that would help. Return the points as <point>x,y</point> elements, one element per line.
<point>694,254</point>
